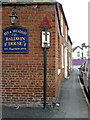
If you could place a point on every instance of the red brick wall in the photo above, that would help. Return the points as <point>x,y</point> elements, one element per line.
<point>0,53</point>
<point>23,74</point>
<point>58,55</point>
<point>62,41</point>
<point>70,56</point>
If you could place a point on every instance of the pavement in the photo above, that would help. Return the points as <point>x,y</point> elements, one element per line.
<point>72,104</point>
<point>72,100</point>
<point>0,111</point>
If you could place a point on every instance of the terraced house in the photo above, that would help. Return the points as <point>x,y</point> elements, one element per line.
<point>28,29</point>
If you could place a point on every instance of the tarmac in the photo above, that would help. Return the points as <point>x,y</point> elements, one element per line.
<point>72,104</point>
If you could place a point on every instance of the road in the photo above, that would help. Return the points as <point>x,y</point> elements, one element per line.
<point>72,104</point>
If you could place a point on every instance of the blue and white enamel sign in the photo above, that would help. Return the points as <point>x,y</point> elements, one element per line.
<point>15,40</point>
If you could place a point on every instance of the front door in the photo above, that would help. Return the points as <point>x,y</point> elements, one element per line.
<point>65,62</point>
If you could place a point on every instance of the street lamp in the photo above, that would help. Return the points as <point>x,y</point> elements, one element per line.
<point>13,17</point>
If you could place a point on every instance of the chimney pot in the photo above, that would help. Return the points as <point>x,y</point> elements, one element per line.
<point>83,45</point>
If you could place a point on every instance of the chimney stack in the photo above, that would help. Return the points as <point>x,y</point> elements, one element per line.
<point>83,45</point>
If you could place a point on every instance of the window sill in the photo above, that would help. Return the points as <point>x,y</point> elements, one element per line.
<point>62,35</point>
<point>62,67</point>
<point>59,71</point>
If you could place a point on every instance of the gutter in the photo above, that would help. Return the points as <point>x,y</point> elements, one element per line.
<point>58,17</point>
<point>27,3</point>
<point>64,16</point>
<point>69,39</point>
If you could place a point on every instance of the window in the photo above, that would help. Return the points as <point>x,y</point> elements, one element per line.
<point>62,57</point>
<point>62,24</point>
<point>59,61</point>
<point>66,33</point>
<point>78,54</point>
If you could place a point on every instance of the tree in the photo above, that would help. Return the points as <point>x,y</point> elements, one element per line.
<point>82,56</point>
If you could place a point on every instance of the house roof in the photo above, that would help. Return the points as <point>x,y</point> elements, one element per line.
<point>76,48</point>
<point>87,46</point>
<point>64,15</point>
<point>78,61</point>
<point>27,1</point>
<point>60,5</point>
<point>69,39</point>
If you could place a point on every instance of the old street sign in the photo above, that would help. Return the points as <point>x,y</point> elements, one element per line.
<point>15,40</point>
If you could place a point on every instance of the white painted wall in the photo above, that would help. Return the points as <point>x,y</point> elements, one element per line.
<point>74,54</point>
<point>76,66</point>
<point>85,50</point>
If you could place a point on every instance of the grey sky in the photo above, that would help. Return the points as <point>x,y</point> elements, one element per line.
<point>76,12</point>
